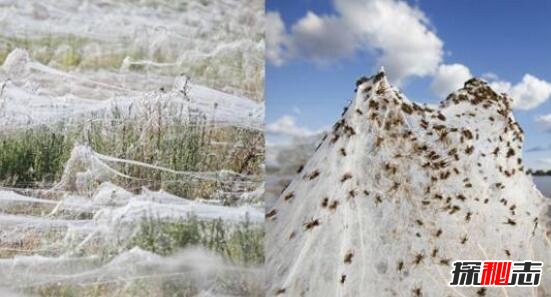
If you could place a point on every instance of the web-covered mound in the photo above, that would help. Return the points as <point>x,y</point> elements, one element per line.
<point>398,191</point>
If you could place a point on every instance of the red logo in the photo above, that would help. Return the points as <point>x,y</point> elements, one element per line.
<point>496,273</point>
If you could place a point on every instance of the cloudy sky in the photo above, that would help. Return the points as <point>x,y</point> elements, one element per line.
<point>316,50</point>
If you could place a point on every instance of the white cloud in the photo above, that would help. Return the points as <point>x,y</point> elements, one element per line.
<point>527,94</point>
<point>398,34</point>
<point>287,126</point>
<point>321,39</point>
<point>545,122</point>
<point>276,38</point>
<point>490,76</point>
<point>449,78</point>
<point>500,86</point>
<point>400,37</point>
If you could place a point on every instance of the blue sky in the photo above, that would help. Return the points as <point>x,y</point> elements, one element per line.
<point>317,49</point>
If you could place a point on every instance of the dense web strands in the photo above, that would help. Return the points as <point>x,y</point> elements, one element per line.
<point>218,43</point>
<point>33,94</point>
<point>85,231</point>
<point>141,181</point>
<point>195,266</point>
<point>71,236</point>
<point>397,191</point>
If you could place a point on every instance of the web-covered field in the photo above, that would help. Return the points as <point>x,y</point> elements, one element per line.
<point>130,156</point>
<point>219,43</point>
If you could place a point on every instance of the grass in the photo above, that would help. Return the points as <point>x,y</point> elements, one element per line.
<point>71,52</point>
<point>32,242</point>
<point>154,133</point>
<point>68,52</point>
<point>136,288</point>
<point>160,287</point>
<point>35,156</point>
<point>241,243</point>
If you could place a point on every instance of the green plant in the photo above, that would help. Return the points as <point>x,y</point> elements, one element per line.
<point>241,243</point>
<point>35,156</point>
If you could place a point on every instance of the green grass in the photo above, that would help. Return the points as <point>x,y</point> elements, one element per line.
<point>67,52</point>
<point>240,243</point>
<point>71,52</point>
<point>134,288</point>
<point>35,157</point>
<point>237,284</point>
<point>155,133</point>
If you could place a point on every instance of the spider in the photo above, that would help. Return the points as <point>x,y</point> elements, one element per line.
<point>419,258</point>
<point>314,174</point>
<point>510,222</point>
<point>313,223</point>
<point>289,196</point>
<point>346,177</point>
<point>271,214</point>
<point>348,257</point>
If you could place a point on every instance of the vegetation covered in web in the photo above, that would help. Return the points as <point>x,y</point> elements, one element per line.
<point>122,171</point>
